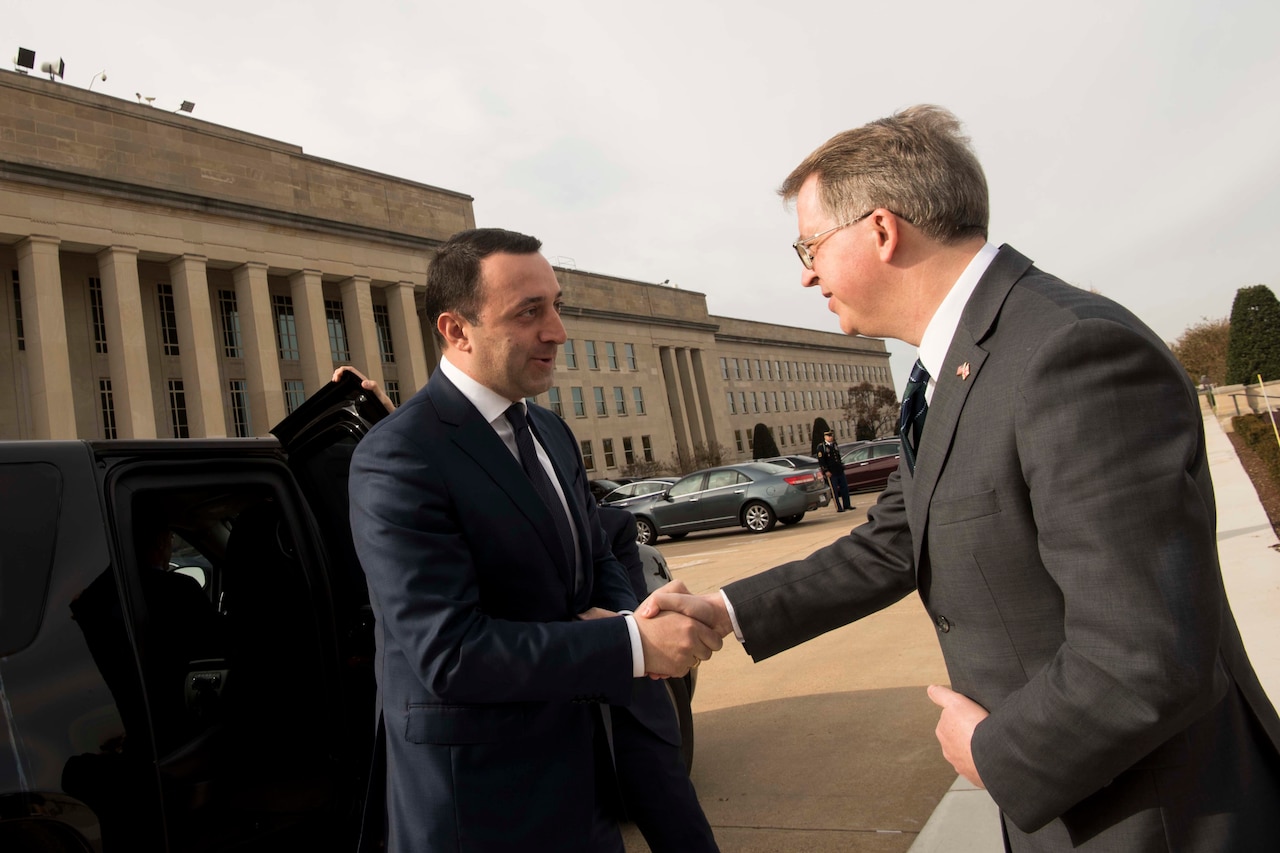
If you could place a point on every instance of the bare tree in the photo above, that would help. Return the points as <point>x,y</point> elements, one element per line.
<point>1202,350</point>
<point>873,410</point>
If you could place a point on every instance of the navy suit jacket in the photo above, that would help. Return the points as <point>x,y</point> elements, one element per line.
<point>485,677</point>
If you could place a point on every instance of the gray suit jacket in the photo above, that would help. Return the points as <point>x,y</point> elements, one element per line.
<point>1060,529</point>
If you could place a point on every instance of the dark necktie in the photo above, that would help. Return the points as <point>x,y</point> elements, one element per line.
<point>914,409</point>
<point>538,475</point>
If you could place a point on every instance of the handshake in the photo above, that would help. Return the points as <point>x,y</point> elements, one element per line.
<point>679,630</point>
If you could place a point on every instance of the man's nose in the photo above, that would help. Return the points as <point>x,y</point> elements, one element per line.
<point>554,330</point>
<point>808,278</point>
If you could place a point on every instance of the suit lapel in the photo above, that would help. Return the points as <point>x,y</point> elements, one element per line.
<point>474,436</point>
<point>952,390</point>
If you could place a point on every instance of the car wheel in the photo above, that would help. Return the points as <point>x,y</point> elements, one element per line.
<point>792,519</point>
<point>678,690</point>
<point>758,517</point>
<point>645,532</point>
<point>680,535</point>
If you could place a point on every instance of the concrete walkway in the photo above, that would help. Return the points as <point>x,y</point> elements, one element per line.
<point>967,821</point>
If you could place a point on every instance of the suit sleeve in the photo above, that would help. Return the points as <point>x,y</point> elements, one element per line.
<point>416,555</point>
<point>865,571</point>
<point>1112,451</point>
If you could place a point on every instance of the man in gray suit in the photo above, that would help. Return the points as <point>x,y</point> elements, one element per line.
<point>1053,510</point>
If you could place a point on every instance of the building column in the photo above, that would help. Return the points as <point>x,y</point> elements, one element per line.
<point>307,291</point>
<point>406,337</point>
<point>261,359</point>
<point>704,397</point>
<point>690,397</point>
<point>197,347</point>
<point>362,336</point>
<point>671,383</point>
<point>44,324</point>
<point>126,343</point>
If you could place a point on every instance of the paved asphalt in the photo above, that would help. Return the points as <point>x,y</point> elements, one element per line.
<point>830,746</point>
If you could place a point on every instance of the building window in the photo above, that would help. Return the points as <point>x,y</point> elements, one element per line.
<point>108,408</point>
<point>610,461</point>
<point>724,368</point>
<point>570,357</point>
<point>791,434</point>
<point>602,410</point>
<point>637,396</point>
<point>768,369</point>
<point>611,354</point>
<point>168,320</point>
<point>764,400</point>
<point>240,407</point>
<point>737,439</point>
<point>579,407</point>
<point>737,372</point>
<point>647,447</point>
<point>99,318</point>
<point>17,312</point>
<point>393,391</point>
<point>755,402</point>
<point>619,400</point>
<point>628,451</point>
<point>746,369</point>
<point>742,401</point>
<point>230,324</point>
<point>751,441</point>
<point>382,322</point>
<point>286,327</point>
<point>588,458</point>
<point>178,409</point>
<point>775,400</point>
<point>293,395</point>
<point>733,409</point>
<point>759,374</point>
<point>629,352</point>
<point>593,363</point>
<point>556,406</point>
<point>338,349</point>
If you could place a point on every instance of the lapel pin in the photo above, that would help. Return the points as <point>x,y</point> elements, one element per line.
<point>963,371</point>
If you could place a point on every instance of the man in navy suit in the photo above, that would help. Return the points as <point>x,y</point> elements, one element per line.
<point>496,596</point>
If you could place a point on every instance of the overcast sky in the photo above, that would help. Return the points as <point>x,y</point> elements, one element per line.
<point>1130,147</point>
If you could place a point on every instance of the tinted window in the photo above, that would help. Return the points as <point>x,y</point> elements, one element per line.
<point>688,485</point>
<point>29,497</point>
<point>720,479</point>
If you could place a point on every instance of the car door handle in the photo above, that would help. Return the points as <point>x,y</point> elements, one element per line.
<point>739,491</point>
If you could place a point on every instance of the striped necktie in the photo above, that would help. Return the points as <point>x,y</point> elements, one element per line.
<point>538,475</point>
<point>914,409</point>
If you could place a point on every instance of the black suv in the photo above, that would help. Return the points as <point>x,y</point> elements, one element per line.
<point>186,652</point>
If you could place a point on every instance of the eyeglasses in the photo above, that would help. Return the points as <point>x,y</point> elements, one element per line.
<point>803,247</point>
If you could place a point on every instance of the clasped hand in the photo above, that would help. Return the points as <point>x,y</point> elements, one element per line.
<point>679,630</point>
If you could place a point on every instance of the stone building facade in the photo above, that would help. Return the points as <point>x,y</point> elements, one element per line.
<point>165,276</point>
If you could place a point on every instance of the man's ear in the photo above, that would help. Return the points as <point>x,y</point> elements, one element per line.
<point>454,328</point>
<point>885,227</point>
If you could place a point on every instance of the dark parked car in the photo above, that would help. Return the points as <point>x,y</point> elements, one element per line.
<point>186,642</point>
<point>799,461</point>
<point>629,493</point>
<point>601,487</point>
<point>753,495</point>
<point>868,465</point>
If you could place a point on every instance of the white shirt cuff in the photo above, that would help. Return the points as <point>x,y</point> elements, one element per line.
<point>637,650</point>
<point>733,617</point>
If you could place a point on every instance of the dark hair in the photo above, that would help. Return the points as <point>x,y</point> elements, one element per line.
<point>453,280</point>
<point>916,163</point>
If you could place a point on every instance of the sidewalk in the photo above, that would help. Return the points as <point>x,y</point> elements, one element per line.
<point>967,821</point>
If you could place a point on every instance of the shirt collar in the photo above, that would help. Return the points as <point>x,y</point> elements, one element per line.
<point>489,403</point>
<point>942,326</point>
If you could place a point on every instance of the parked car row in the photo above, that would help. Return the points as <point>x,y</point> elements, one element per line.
<point>754,495</point>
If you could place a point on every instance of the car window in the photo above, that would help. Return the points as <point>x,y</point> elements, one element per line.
<point>888,450</point>
<point>688,485</point>
<point>721,479</point>
<point>858,454</point>
<point>29,498</point>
